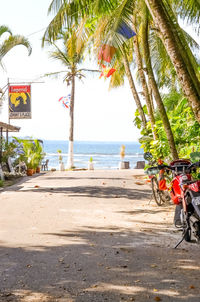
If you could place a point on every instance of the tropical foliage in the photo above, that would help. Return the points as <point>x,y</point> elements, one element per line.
<point>30,152</point>
<point>185,128</point>
<point>8,150</point>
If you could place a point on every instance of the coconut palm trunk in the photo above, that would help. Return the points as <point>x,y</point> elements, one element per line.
<point>144,83</point>
<point>70,162</point>
<point>133,89</point>
<point>155,90</point>
<point>168,36</point>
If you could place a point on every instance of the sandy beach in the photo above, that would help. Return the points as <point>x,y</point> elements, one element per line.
<point>91,236</point>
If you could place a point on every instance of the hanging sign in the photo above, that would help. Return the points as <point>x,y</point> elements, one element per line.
<point>19,101</point>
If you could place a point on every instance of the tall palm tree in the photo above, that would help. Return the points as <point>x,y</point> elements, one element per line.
<point>143,81</point>
<point>70,54</point>
<point>169,37</point>
<point>144,24</point>
<point>133,89</point>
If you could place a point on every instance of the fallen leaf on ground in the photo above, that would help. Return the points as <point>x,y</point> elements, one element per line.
<point>36,186</point>
<point>139,183</point>
<point>157,299</point>
<point>192,287</point>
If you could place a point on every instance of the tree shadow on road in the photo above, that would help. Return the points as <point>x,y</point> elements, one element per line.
<point>100,264</point>
<point>90,191</point>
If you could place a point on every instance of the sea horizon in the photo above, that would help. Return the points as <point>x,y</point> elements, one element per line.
<point>105,154</point>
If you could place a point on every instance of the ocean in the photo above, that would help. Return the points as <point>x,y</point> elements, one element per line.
<point>106,155</point>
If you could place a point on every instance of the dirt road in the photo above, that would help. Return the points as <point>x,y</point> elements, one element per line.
<point>91,236</point>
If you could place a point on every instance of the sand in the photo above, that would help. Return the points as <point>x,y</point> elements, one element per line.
<point>92,236</point>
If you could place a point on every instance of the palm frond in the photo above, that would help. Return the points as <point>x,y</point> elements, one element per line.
<point>60,55</point>
<point>13,41</point>
<point>55,6</point>
<point>4,29</point>
<point>189,11</point>
<point>54,75</point>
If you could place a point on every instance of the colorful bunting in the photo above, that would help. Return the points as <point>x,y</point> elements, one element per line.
<point>106,72</point>
<point>125,31</point>
<point>65,100</point>
<point>106,53</point>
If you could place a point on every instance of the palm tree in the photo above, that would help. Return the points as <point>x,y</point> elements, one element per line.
<point>133,89</point>
<point>167,31</point>
<point>7,44</point>
<point>70,54</point>
<point>11,41</point>
<point>143,81</point>
<point>144,24</point>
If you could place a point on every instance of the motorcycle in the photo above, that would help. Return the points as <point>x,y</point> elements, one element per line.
<point>185,194</point>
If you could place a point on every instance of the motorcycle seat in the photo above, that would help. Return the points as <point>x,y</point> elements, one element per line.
<point>188,182</point>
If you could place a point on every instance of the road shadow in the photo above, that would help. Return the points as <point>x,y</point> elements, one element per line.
<point>89,191</point>
<point>100,264</point>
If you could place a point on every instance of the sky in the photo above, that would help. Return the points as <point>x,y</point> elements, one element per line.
<point>99,114</point>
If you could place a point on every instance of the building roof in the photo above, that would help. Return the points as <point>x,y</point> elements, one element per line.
<point>7,127</point>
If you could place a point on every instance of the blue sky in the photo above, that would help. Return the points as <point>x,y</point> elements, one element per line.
<point>100,114</point>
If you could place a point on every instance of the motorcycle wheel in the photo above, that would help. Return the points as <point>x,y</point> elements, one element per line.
<point>165,197</point>
<point>156,191</point>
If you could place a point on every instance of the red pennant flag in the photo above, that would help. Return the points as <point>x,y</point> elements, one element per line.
<point>106,72</point>
<point>110,72</point>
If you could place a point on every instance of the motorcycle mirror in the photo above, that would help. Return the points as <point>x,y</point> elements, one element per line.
<point>195,156</point>
<point>148,156</point>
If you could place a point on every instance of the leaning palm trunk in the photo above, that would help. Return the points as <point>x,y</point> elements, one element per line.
<point>155,90</point>
<point>169,40</point>
<point>70,162</point>
<point>184,48</point>
<point>133,89</point>
<point>144,84</point>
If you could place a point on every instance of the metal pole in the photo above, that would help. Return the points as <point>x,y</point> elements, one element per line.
<point>7,135</point>
<point>1,140</point>
<point>8,104</point>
